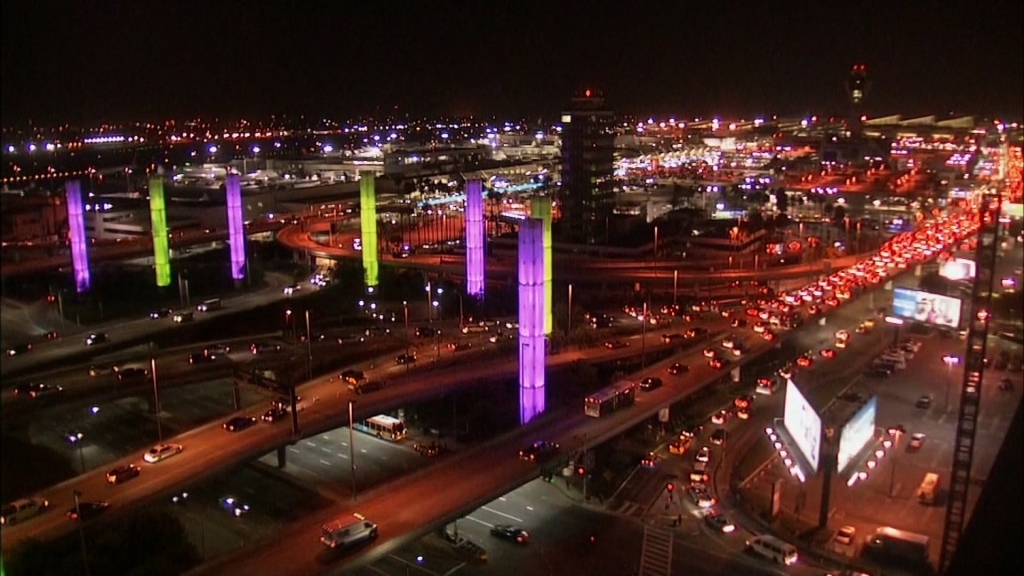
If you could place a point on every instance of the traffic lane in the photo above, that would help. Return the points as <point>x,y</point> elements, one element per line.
<point>207,446</point>
<point>137,328</point>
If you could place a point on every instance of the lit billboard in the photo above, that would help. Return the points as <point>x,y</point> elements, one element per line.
<point>926,307</point>
<point>958,269</point>
<point>857,433</point>
<point>803,424</point>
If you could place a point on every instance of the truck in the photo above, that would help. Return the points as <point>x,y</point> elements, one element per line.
<point>347,531</point>
<point>898,547</point>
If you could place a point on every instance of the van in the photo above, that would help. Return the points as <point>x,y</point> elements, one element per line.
<point>699,473</point>
<point>184,317</point>
<point>208,305</point>
<point>345,532</point>
<point>774,549</point>
<point>21,510</point>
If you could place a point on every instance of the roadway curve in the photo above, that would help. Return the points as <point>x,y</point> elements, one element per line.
<point>570,267</point>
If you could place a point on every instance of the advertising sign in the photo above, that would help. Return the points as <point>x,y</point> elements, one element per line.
<point>803,424</point>
<point>926,307</point>
<point>857,433</point>
<point>958,269</point>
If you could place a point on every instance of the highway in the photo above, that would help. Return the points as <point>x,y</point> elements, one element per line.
<point>210,449</point>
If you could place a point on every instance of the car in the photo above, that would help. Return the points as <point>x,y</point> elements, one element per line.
<point>291,289</point>
<point>459,346</point>
<point>760,327</point>
<point>353,376</point>
<point>701,498</point>
<point>263,347</point>
<point>162,452</point>
<point>924,402</point>
<point>22,510</point>
<point>743,413</point>
<point>123,473</point>
<point>537,450</point>
<point>426,332</point>
<point>405,359</point>
<point>161,313</point>
<point>677,369</point>
<point>743,401</point>
<point>719,522</point>
<point>509,532</point>
<point>718,436</point>
<point>201,357</point>
<point>650,461</point>
<point>827,353</point>
<point>285,403</point>
<point>804,361</point>
<point>703,455</point>
<point>274,414</point>
<point>670,338</point>
<point>133,375</point>
<point>616,344</point>
<point>709,352</point>
<point>717,363</point>
<point>728,342</point>
<point>100,369</point>
<point>738,322</point>
<point>768,335</point>
<point>879,371</point>
<point>367,386</point>
<point>233,506</point>
<point>36,389</point>
<point>239,423</point>
<point>916,442</point>
<point>846,535</point>
<point>679,446</point>
<point>96,338</point>
<point>86,510</point>
<point>20,349</point>
<point>691,431</point>
<point>719,417</point>
<point>218,350</point>
<point>650,383</point>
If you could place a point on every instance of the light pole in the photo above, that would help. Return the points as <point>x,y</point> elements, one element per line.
<point>675,286</point>
<point>287,322</point>
<point>429,294</point>
<point>437,340</point>
<point>568,329</point>
<point>655,242</point>
<point>352,447</point>
<point>950,361</point>
<point>76,439</point>
<point>405,311</point>
<point>81,530</point>
<point>643,340</point>
<point>156,400</point>
<point>309,350</point>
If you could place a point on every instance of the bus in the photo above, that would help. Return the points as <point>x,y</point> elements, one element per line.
<point>929,489</point>
<point>898,546</point>
<point>609,399</point>
<point>384,427</point>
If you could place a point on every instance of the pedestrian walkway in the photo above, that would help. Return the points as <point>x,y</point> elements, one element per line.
<point>656,552</point>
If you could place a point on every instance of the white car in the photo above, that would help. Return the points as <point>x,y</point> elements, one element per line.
<point>289,290</point>
<point>702,499</point>
<point>916,441</point>
<point>162,452</point>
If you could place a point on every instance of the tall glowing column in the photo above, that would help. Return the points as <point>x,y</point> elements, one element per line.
<point>540,208</point>
<point>236,226</point>
<point>158,223</point>
<point>531,319</point>
<point>368,220</point>
<point>76,227</point>
<point>474,238</point>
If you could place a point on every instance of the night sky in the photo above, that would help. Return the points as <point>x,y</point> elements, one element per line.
<point>115,61</point>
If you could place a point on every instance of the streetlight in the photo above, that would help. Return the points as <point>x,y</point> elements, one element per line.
<point>351,447</point>
<point>429,292</point>
<point>568,330</point>
<point>156,400</point>
<point>655,242</point>
<point>287,322</point>
<point>950,361</point>
<point>76,439</point>
<point>405,310</point>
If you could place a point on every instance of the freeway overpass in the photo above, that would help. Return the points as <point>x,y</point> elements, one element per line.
<point>209,450</point>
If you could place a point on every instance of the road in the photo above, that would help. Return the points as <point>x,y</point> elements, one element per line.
<point>209,449</point>
<point>71,343</point>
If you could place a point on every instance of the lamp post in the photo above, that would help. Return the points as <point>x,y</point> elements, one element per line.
<point>405,311</point>
<point>568,329</point>
<point>950,361</point>
<point>352,447</point>
<point>655,242</point>
<point>675,286</point>
<point>287,322</point>
<point>309,350</point>
<point>437,340</point>
<point>643,340</point>
<point>76,439</point>
<point>156,401</point>
<point>429,294</point>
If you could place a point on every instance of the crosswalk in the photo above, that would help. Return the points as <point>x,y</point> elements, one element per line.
<point>656,552</point>
<point>631,509</point>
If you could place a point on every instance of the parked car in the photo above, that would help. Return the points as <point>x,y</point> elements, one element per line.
<point>123,473</point>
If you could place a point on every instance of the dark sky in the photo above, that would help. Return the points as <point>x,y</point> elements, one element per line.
<point>93,61</point>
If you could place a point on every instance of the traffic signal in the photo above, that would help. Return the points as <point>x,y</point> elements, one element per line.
<point>670,487</point>
<point>580,470</point>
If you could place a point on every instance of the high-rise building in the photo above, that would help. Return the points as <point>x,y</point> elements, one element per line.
<point>588,145</point>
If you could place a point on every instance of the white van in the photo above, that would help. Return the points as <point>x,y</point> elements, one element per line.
<point>774,549</point>
<point>21,510</point>
<point>208,305</point>
<point>346,532</point>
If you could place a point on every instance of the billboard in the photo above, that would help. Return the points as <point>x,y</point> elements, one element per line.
<point>926,307</point>
<point>958,269</point>
<point>856,433</point>
<point>803,424</point>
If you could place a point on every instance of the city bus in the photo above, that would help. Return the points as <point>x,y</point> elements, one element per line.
<point>609,399</point>
<point>384,427</point>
